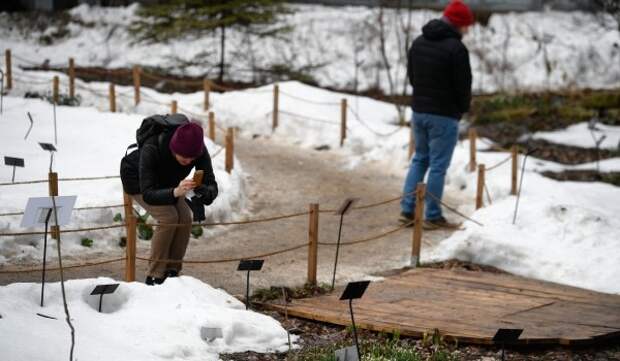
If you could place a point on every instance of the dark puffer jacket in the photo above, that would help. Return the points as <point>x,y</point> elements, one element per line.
<point>439,71</point>
<point>154,172</point>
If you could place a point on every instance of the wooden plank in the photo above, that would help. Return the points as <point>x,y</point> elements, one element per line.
<point>471,306</point>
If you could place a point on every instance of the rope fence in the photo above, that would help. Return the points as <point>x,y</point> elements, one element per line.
<point>313,214</point>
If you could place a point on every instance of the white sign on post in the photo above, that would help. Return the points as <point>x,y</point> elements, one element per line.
<point>38,208</point>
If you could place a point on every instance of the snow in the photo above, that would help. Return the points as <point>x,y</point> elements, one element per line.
<point>339,47</point>
<point>565,232</point>
<point>584,135</point>
<point>90,144</point>
<point>137,322</point>
<point>576,247</point>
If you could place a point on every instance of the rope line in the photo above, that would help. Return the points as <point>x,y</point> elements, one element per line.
<point>226,260</point>
<point>307,100</point>
<point>368,239</point>
<point>331,122</point>
<point>454,210</point>
<point>75,209</point>
<point>499,164</point>
<point>81,265</point>
<point>61,180</point>
<point>359,119</point>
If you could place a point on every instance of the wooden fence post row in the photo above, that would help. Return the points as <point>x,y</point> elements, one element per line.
<point>276,101</point>
<point>112,98</point>
<point>480,187</point>
<point>9,69</point>
<point>136,84</point>
<point>416,240</point>
<point>55,91</point>
<point>71,77</point>
<point>212,126</point>
<point>515,169</point>
<point>313,243</point>
<point>230,148</point>
<point>343,121</point>
<point>52,179</point>
<point>130,246</point>
<point>472,149</point>
<point>207,89</point>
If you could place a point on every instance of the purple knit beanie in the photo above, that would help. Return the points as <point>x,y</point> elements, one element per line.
<point>187,140</point>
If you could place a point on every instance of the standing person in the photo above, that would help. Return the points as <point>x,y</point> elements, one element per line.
<point>439,71</point>
<point>169,147</point>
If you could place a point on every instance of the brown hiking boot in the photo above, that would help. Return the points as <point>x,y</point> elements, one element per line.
<point>438,223</point>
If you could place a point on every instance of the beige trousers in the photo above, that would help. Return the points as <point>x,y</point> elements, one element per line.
<point>168,243</point>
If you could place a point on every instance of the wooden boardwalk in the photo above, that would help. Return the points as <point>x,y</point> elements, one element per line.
<point>471,306</point>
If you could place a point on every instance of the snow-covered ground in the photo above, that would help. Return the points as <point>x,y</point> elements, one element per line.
<point>566,231</point>
<point>137,322</point>
<point>584,135</point>
<point>341,47</point>
<point>90,144</point>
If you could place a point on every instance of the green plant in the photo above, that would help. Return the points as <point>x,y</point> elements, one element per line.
<point>86,242</point>
<point>117,217</point>
<point>145,231</point>
<point>196,231</point>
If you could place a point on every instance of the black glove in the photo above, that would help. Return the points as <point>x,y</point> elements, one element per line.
<point>206,193</point>
<point>198,209</point>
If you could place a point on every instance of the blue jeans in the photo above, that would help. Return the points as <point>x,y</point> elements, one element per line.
<point>435,139</point>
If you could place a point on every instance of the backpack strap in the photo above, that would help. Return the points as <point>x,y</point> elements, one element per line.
<point>134,145</point>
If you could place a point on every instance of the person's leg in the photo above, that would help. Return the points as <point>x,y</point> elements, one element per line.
<point>181,236</point>
<point>443,135</point>
<point>162,237</point>
<point>419,163</point>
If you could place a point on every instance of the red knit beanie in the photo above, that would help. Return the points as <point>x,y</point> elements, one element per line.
<point>459,14</point>
<point>187,140</point>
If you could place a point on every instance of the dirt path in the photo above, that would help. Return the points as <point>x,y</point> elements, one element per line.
<point>284,179</point>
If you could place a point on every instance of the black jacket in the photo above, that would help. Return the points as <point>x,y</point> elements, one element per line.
<point>154,172</point>
<point>439,71</point>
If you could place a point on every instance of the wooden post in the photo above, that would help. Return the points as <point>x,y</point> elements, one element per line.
<point>9,69</point>
<point>173,107</point>
<point>207,88</point>
<point>112,98</point>
<point>230,149</point>
<point>71,77</point>
<point>55,89</point>
<point>515,169</point>
<point>480,188</point>
<point>52,179</point>
<point>313,242</point>
<point>130,245</point>
<point>343,121</point>
<point>276,106</point>
<point>472,149</point>
<point>136,84</point>
<point>212,126</point>
<point>416,240</point>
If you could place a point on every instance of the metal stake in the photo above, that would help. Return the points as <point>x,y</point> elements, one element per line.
<point>514,218</point>
<point>47,219</point>
<point>247,292</point>
<point>357,346</point>
<point>337,250</point>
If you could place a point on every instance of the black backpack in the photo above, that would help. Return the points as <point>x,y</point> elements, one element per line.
<point>155,125</point>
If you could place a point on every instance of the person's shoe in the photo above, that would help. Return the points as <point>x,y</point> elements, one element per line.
<point>406,218</point>
<point>172,273</point>
<point>152,281</point>
<point>440,222</point>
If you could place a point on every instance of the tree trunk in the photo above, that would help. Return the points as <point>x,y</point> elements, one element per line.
<point>222,53</point>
